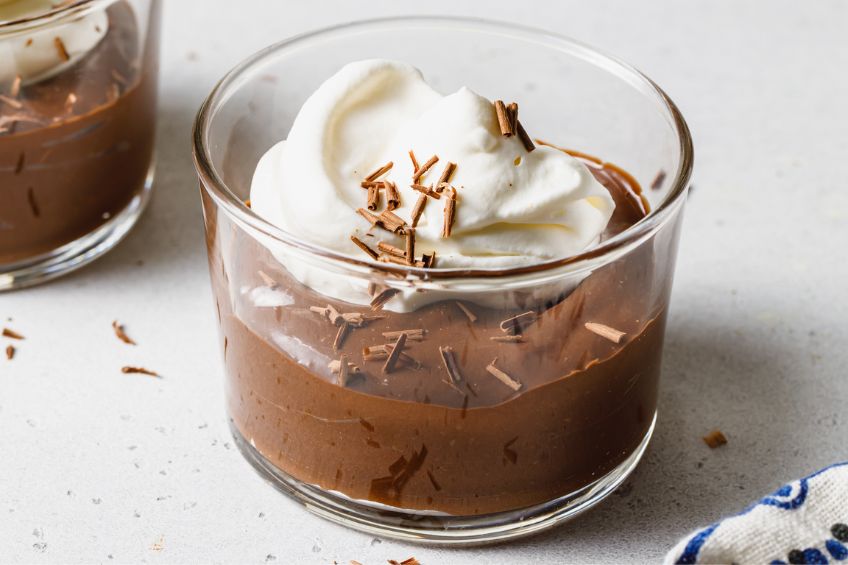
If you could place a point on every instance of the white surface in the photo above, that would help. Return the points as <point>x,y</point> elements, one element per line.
<point>97,464</point>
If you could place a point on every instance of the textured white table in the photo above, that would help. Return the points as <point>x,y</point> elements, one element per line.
<point>98,466</point>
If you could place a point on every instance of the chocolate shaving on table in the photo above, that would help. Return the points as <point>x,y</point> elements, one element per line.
<point>392,195</point>
<point>501,376</point>
<point>373,198</point>
<point>525,139</point>
<point>657,183</point>
<point>450,212</point>
<point>422,170</point>
<point>418,210</point>
<point>606,332</point>
<point>410,246</point>
<point>139,371</point>
<point>382,297</point>
<point>412,335</point>
<point>391,221</point>
<point>341,335</point>
<point>507,338</point>
<point>60,48</point>
<point>11,334</point>
<point>380,172</point>
<point>451,366</point>
<point>427,190</point>
<point>121,334</point>
<point>503,119</point>
<point>517,324</point>
<point>512,114</point>
<point>415,165</point>
<point>10,352</point>
<point>445,179</point>
<point>715,439</point>
<point>391,249</point>
<point>472,317</point>
<point>394,354</point>
<point>363,246</point>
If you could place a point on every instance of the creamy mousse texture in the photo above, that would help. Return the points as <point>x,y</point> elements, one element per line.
<point>514,207</point>
<point>33,56</point>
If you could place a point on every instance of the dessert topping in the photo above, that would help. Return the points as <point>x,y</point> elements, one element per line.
<point>517,324</point>
<point>121,334</point>
<point>140,371</point>
<point>472,317</point>
<point>501,376</point>
<point>606,332</point>
<point>394,354</point>
<point>11,334</point>
<point>451,366</point>
<point>422,170</point>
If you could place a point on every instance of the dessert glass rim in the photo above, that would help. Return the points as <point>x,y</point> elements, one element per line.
<point>73,9</point>
<point>215,186</point>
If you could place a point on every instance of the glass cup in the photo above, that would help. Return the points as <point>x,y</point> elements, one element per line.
<point>78,88</point>
<point>520,396</point>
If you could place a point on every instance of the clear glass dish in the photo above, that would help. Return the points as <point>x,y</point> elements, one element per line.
<point>429,453</point>
<point>78,88</point>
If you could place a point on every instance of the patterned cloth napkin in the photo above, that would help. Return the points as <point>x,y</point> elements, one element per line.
<point>805,521</point>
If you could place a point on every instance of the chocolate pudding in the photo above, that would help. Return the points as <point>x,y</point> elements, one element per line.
<point>76,148</point>
<point>482,411</point>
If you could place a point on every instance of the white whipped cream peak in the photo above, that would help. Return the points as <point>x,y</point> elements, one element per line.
<point>513,208</point>
<point>34,56</point>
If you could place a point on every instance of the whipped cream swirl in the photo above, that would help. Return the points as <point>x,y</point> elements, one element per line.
<point>513,208</point>
<point>43,53</point>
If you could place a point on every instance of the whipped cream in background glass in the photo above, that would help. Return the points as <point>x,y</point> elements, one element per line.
<point>514,208</point>
<point>36,55</point>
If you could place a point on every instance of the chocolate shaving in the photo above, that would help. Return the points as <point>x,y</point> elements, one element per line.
<point>373,197</point>
<point>33,205</point>
<point>385,258</point>
<point>445,179</point>
<point>334,316</point>
<point>380,352</point>
<point>433,481</point>
<point>391,249</point>
<point>501,376</point>
<point>415,165</point>
<point>451,366</point>
<point>392,195</point>
<point>606,332</point>
<point>428,190</point>
<point>19,167</point>
<point>12,334</point>
<point>371,218</point>
<point>413,335</point>
<point>140,371</point>
<point>422,170</point>
<point>380,172</point>
<point>266,278</point>
<point>512,114</point>
<point>429,259</point>
<point>341,335</point>
<point>525,139</point>
<point>344,370</point>
<point>16,87</point>
<point>450,213</point>
<point>507,338</point>
<point>382,297</point>
<point>391,221</point>
<point>394,354</point>
<point>378,184</point>
<point>358,320</point>
<point>503,119</point>
<point>11,102</point>
<point>121,334</point>
<point>60,48</point>
<point>657,183</point>
<point>418,210</point>
<point>517,324</point>
<point>410,246</point>
<point>472,317</point>
<point>363,246</point>
<point>715,439</point>
<point>10,352</point>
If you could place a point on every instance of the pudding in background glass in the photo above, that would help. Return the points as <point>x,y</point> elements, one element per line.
<point>473,368</point>
<point>78,87</point>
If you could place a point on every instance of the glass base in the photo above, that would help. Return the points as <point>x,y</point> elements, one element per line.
<point>81,251</point>
<point>436,528</point>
